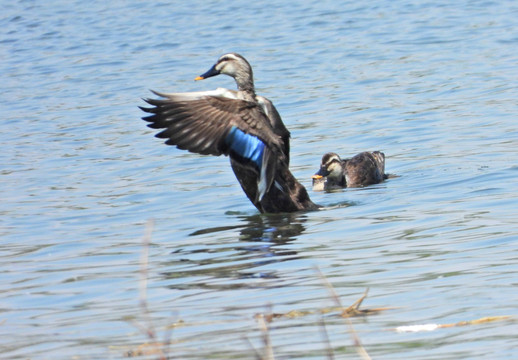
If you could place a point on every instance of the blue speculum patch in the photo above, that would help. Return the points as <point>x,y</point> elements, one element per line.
<point>245,145</point>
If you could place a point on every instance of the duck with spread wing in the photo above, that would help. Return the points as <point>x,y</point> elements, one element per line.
<point>239,124</point>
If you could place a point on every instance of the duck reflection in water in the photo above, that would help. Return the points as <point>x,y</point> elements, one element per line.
<point>278,228</point>
<point>261,240</point>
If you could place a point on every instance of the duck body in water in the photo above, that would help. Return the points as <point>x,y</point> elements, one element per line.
<point>239,124</point>
<point>365,168</point>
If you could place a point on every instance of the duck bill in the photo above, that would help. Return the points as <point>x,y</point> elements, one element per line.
<point>211,72</point>
<point>320,173</point>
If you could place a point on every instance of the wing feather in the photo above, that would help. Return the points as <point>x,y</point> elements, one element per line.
<point>199,123</point>
<point>276,122</point>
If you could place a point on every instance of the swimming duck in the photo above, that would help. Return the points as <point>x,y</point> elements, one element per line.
<point>363,169</point>
<point>239,124</point>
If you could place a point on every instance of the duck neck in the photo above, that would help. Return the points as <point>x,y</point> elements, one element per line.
<point>245,84</point>
<point>337,180</point>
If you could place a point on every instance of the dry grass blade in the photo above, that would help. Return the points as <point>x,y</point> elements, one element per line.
<point>433,327</point>
<point>483,320</point>
<point>263,325</point>
<point>144,259</point>
<point>263,319</point>
<point>325,339</point>
<point>154,347</point>
<point>354,309</point>
<point>257,355</point>
<point>148,349</point>
<point>356,340</point>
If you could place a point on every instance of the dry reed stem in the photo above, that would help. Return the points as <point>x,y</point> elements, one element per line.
<point>325,338</point>
<point>262,322</point>
<point>257,355</point>
<point>433,327</point>
<point>354,336</point>
<point>154,347</point>
<point>265,331</point>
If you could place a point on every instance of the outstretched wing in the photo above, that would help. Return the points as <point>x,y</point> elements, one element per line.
<point>211,124</point>
<point>200,123</point>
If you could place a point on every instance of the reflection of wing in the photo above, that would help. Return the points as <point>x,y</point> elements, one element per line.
<point>201,123</point>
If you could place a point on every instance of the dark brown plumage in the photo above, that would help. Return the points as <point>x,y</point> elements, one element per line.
<point>239,124</point>
<point>364,169</point>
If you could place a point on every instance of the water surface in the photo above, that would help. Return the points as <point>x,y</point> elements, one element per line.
<point>431,84</point>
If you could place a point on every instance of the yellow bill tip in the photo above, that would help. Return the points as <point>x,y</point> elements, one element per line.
<point>316,177</point>
<point>199,78</point>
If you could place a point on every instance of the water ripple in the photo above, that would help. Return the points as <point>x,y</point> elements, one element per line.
<point>430,84</point>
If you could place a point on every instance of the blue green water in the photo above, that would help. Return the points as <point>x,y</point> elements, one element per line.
<point>431,84</point>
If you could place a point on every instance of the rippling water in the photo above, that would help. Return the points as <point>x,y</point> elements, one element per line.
<point>432,84</point>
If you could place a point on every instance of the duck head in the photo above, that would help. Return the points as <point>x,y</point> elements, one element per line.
<point>233,65</point>
<point>330,166</point>
<point>331,171</point>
